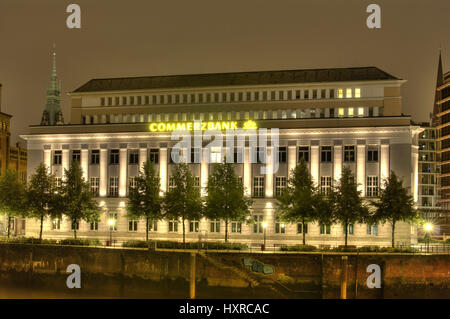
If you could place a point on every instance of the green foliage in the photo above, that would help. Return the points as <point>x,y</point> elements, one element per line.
<point>183,200</point>
<point>80,242</point>
<point>196,245</point>
<point>76,200</point>
<point>12,191</point>
<point>29,240</point>
<point>395,204</point>
<point>136,243</point>
<point>347,203</point>
<point>144,200</point>
<point>226,199</point>
<point>298,248</point>
<point>300,201</point>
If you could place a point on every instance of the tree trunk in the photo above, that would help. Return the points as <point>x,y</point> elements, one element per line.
<point>346,234</point>
<point>226,230</point>
<point>75,230</point>
<point>146,230</point>
<point>303,231</point>
<point>9,225</point>
<point>393,233</point>
<point>42,226</point>
<point>184,235</point>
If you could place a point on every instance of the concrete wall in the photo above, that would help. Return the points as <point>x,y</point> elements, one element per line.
<point>142,273</point>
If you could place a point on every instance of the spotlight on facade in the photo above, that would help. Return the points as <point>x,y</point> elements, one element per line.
<point>428,227</point>
<point>264,224</point>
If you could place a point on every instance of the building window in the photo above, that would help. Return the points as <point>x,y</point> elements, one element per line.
<point>114,157</point>
<point>370,111</point>
<point>215,226</point>
<point>94,183</point>
<point>74,226</point>
<point>350,112</point>
<point>341,112</point>
<point>95,157</point>
<point>280,227</point>
<point>350,229</point>
<point>173,226</point>
<point>113,225</point>
<point>216,155</point>
<point>236,227</point>
<point>280,184</point>
<point>93,226</point>
<point>132,225</point>
<point>58,181</point>
<point>306,94</point>
<point>331,93</point>
<point>56,224</point>
<point>153,225</point>
<point>57,158</point>
<point>325,184</point>
<point>372,154</point>
<point>325,229</point>
<point>195,155</point>
<point>325,154</point>
<point>257,224</point>
<point>349,153</point>
<point>154,155</point>
<point>282,154</point>
<point>171,182</point>
<point>132,182</point>
<point>133,157</point>
<point>348,93</point>
<point>360,111</point>
<point>372,229</point>
<point>258,186</point>
<point>303,152</point>
<point>372,186</point>
<point>300,228</point>
<point>113,186</point>
<point>193,226</point>
<point>76,155</point>
<point>357,93</point>
<point>340,93</point>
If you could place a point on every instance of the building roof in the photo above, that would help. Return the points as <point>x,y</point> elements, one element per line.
<point>239,78</point>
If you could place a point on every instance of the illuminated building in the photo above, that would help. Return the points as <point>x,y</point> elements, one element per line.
<point>330,117</point>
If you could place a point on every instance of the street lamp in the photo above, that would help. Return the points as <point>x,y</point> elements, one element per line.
<point>264,225</point>
<point>428,227</point>
<point>111,223</point>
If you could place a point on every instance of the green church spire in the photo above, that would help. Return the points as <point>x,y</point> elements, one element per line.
<point>52,114</point>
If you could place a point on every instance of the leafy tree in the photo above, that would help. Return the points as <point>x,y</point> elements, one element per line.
<point>225,198</point>
<point>183,200</point>
<point>12,193</point>
<point>76,199</point>
<point>395,204</point>
<point>301,202</point>
<point>42,199</point>
<point>347,203</point>
<point>144,200</point>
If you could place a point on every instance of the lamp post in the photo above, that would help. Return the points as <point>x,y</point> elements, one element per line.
<point>111,223</point>
<point>264,225</point>
<point>428,227</point>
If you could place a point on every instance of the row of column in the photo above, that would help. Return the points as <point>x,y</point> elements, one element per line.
<point>247,175</point>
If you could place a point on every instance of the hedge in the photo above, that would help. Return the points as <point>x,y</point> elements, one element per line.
<point>68,241</point>
<point>165,244</point>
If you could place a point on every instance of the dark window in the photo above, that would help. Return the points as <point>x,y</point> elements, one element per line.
<point>332,112</point>
<point>370,111</point>
<point>372,154</point>
<point>325,229</point>
<point>133,157</point>
<point>300,228</point>
<point>303,152</point>
<point>95,156</point>
<point>76,155</point>
<point>331,93</point>
<point>325,154</point>
<point>195,155</point>
<point>154,155</point>
<point>349,153</point>
<point>57,158</point>
<point>114,157</point>
<point>282,155</point>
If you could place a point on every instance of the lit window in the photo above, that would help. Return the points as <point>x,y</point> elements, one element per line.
<point>360,111</point>
<point>348,93</point>
<point>340,93</point>
<point>341,112</point>
<point>216,155</point>
<point>350,112</point>
<point>357,93</point>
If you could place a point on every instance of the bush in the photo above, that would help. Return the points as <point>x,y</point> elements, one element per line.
<point>136,244</point>
<point>80,242</point>
<point>29,240</point>
<point>298,248</point>
<point>164,244</point>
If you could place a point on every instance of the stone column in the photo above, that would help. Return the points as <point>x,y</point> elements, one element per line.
<point>103,184</point>
<point>123,165</point>
<point>361,166</point>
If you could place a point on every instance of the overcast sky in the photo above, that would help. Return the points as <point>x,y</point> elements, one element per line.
<point>137,38</point>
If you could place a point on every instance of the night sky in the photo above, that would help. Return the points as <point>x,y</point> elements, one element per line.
<point>121,38</point>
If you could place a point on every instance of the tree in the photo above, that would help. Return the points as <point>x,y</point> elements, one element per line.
<point>41,196</point>
<point>300,201</point>
<point>144,200</point>
<point>12,193</point>
<point>183,199</point>
<point>395,204</point>
<point>225,198</point>
<point>76,199</point>
<point>347,203</point>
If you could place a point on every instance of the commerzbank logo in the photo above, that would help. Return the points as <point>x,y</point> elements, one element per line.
<point>200,125</point>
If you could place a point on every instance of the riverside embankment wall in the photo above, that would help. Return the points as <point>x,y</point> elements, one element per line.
<point>134,273</point>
